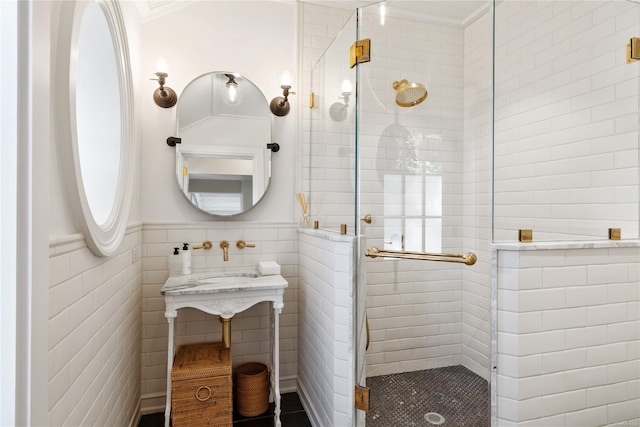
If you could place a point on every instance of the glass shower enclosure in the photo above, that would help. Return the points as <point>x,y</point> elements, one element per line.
<point>402,176</point>
<point>515,133</point>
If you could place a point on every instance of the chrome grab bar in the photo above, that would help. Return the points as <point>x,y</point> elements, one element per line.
<point>469,258</point>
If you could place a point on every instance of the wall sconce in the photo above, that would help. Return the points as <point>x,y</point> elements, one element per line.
<point>164,96</point>
<point>338,110</point>
<point>280,104</point>
<point>346,92</point>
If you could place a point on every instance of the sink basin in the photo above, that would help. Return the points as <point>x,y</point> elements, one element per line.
<point>225,279</point>
<point>220,281</point>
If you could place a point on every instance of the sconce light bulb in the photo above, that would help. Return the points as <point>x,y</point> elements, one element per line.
<point>232,95</point>
<point>162,65</point>
<point>286,78</point>
<point>346,86</point>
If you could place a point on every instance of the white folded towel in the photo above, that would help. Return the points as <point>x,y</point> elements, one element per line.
<point>268,268</point>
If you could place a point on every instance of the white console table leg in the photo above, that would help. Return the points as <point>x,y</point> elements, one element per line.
<point>277,308</point>
<point>170,351</point>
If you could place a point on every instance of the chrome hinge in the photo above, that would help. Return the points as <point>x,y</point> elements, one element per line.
<point>362,398</point>
<point>360,52</point>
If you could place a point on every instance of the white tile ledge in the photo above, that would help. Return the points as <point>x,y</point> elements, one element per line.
<point>215,225</point>
<point>327,234</point>
<point>534,246</point>
<point>63,244</point>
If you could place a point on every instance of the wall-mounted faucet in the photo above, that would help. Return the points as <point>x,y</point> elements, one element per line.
<point>206,245</point>
<point>241,244</point>
<point>224,245</point>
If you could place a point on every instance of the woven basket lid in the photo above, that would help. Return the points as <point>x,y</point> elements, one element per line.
<point>200,361</point>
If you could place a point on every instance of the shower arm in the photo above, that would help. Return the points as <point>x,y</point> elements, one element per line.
<point>469,258</point>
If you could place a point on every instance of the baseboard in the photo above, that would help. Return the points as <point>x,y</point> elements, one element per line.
<point>308,406</point>
<point>152,403</point>
<point>135,420</point>
<point>288,384</point>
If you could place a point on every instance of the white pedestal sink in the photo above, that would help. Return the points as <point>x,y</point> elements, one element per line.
<point>225,293</point>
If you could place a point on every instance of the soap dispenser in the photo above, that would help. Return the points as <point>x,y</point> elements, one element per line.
<point>186,259</point>
<point>174,262</point>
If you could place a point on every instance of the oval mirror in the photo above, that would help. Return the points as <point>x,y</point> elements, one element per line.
<point>223,164</point>
<point>94,124</point>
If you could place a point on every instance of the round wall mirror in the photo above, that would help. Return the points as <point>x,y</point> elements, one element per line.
<point>98,129</point>
<point>94,121</point>
<point>223,163</point>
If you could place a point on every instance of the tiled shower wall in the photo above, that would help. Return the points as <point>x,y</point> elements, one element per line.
<point>329,144</point>
<point>249,329</point>
<point>568,335</point>
<point>566,119</point>
<point>421,314</point>
<point>94,333</point>
<point>414,307</point>
<point>327,294</point>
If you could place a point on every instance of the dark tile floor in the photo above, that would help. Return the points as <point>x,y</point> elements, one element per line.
<point>292,414</point>
<point>453,396</point>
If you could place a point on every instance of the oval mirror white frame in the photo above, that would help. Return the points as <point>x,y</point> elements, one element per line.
<point>103,226</point>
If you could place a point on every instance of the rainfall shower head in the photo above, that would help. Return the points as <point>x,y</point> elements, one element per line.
<point>409,94</point>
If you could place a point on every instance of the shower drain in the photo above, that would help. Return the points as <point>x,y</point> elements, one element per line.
<point>434,418</point>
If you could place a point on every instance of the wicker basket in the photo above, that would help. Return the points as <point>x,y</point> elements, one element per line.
<point>201,386</point>
<point>252,389</point>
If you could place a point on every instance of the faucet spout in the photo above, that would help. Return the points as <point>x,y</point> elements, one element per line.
<point>224,245</point>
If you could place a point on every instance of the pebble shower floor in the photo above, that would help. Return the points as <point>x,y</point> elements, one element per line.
<point>450,396</point>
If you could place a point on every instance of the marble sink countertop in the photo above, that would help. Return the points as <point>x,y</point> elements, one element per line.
<point>221,281</point>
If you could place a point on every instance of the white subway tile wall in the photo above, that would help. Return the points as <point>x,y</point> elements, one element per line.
<point>565,365</point>
<point>249,330</point>
<point>566,128</point>
<point>326,305</point>
<point>94,333</point>
<point>415,310</point>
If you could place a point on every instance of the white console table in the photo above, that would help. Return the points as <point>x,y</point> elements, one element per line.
<point>225,294</point>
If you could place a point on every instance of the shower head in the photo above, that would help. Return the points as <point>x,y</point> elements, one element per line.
<point>409,94</point>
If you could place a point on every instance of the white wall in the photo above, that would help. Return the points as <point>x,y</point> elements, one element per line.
<point>94,333</point>
<point>326,342</point>
<point>258,40</point>
<point>94,303</point>
<point>566,120</point>
<point>568,331</point>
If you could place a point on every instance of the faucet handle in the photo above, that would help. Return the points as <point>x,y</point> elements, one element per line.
<point>241,244</point>
<point>205,245</point>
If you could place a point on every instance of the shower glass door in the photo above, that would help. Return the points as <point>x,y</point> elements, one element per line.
<point>421,181</point>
